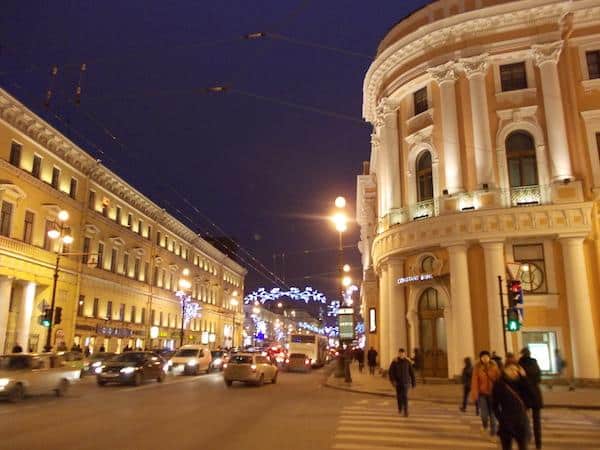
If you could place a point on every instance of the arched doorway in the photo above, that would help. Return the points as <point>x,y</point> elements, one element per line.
<point>432,333</point>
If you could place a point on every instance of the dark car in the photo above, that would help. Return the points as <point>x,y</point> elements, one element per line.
<point>95,361</point>
<point>132,368</point>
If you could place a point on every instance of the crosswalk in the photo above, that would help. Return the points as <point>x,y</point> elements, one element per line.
<point>374,424</point>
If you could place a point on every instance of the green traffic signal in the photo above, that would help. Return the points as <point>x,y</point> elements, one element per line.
<point>513,322</point>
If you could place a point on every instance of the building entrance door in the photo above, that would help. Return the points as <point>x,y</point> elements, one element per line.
<point>432,333</point>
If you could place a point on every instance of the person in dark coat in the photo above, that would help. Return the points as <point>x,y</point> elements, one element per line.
<point>497,359</point>
<point>467,374</point>
<point>360,357</point>
<point>402,376</point>
<point>511,393</point>
<point>372,360</point>
<point>533,374</point>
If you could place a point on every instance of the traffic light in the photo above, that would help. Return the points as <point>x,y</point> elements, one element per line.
<point>46,317</point>
<point>513,322</point>
<point>57,315</point>
<point>515,293</point>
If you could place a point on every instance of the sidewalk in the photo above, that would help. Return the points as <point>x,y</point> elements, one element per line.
<point>451,393</point>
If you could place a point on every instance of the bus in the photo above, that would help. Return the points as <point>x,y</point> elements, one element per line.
<point>313,346</point>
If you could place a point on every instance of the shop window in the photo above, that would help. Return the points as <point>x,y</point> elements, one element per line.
<point>522,163</point>
<point>55,177</point>
<point>420,101</point>
<point>6,218</point>
<point>543,347</point>
<point>15,154</point>
<point>593,63</point>
<point>532,270</point>
<point>513,77</point>
<point>95,308</point>
<point>36,168</point>
<point>424,177</point>
<point>28,227</point>
<point>73,188</point>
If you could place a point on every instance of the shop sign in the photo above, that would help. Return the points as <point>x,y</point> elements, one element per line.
<point>413,278</point>
<point>204,337</point>
<point>153,332</point>
<point>111,331</point>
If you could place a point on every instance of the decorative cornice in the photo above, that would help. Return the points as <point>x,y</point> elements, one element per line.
<point>547,53</point>
<point>445,73</point>
<point>12,190</point>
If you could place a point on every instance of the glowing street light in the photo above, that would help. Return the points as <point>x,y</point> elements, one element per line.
<point>346,281</point>
<point>340,221</point>
<point>63,215</point>
<point>346,268</point>
<point>340,202</point>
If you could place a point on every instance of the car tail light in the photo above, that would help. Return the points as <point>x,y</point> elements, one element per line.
<point>253,367</point>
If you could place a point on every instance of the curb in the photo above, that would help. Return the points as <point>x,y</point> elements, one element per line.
<point>444,401</point>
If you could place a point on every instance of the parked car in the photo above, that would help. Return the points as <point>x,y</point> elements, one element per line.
<point>298,362</point>
<point>191,360</point>
<point>23,374</point>
<point>132,368</point>
<point>219,358</point>
<point>249,368</point>
<point>94,361</point>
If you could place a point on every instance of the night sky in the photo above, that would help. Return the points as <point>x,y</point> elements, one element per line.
<point>264,160</point>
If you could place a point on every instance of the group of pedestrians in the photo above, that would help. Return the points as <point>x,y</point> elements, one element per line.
<point>504,393</point>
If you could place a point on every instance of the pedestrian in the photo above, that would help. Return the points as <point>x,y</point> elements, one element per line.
<point>510,393</point>
<point>372,360</point>
<point>467,375</point>
<point>510,359</point>
<point>533,375</point>
<point>87,351</point>
<point>402,377</point>
<point>102,349</point>
<point>360,357</point>
<point>17,348</point>
<point>347,356</point>
<point>74,347</point>
<point>497,360</point>
<point>485,373</point>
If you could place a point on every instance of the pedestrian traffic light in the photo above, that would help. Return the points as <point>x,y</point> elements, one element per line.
<point>57,315</point>
<point>513,322</point>
<point>515,293</point>
<point>46,317</point>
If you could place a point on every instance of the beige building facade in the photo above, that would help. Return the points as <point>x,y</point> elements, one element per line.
<point>117,288</point>
<point>484,164</point>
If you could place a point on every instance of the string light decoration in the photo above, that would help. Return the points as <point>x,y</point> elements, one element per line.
<point>308,294</point>
<point>191,310</point>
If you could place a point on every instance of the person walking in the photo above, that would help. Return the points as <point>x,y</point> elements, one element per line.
<point>467,375</point>
<point>360,357</point>
<point>497,359</point>
<point>511,393</point>
<point>372,360</point>
<point>485,373</point>
<point>402,376</point>
<point>533,375</point>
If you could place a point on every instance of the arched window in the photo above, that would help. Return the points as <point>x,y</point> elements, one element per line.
<point>424,177</point>
<point>429,301</point>
<point>522,164</point>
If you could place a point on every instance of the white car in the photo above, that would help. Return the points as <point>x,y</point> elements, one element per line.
<point>24,374</point>
<point>249,368</point>
<point>191,360</point>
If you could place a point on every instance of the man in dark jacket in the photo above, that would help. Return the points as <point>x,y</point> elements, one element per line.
<point>372,360</point>
<point>402,376</point>
<point>533,375</point>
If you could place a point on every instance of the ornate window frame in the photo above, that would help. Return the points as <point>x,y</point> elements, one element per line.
<point>419,142</point>
<point>584,45</point>
<point>591,119</point>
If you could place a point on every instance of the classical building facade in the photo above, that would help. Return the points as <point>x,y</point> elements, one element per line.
<point>484,164</point>
<point>118,286</point>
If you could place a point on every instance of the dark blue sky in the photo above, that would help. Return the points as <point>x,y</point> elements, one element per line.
<point>263,171</point>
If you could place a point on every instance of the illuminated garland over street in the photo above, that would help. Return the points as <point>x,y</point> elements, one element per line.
<point>308,294</point>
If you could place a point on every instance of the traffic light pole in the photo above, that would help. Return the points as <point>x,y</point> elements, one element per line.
<point>502,314</point>
<point>48,346</point>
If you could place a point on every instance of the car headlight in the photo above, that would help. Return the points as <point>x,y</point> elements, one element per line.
<point>192,362</point>
<point>96,364</point>
<point>127,370</point>
<point>98,369</point>
<point>217,362</point>
<point>4,382</point>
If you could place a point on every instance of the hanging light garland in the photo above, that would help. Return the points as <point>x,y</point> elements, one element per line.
<point>308,294</point>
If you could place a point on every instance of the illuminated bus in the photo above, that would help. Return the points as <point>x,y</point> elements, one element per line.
<point>313,346</point>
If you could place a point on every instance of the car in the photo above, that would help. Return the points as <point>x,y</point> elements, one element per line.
<point>132,368</point>
<point>23,374</point>
<point>249,368</point>
<point>219,358</point>
<point>298,362</point>
<point>190,359</point>
<point>92,362</point>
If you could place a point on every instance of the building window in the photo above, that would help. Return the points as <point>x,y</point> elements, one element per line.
<point>146,272</point>
<point>129,220</point>
<point>81,305</point>
<point>155,277</point>
<point>114,258</point>
<point>143,316</point>
<point>100,255</point>
<point>513,77</point>
<point>424,177</point>
<point>86,249</point>
<point>148,232</point>
<point>158,237</point>
<point>66,248</point>
<point>73,188</point>
<point>133,315</point>
<point>36,168</point>
<point>5,218</point>
<point>420,101</point>
<point>55,177</point>
<point>92,200</point>
<point>139,230</point>
<point>15,154</point>
<point>104,209</point>
<point>136,268</point>
<point>28,227</point>
<point>598,144</point>
<point>96,307</point>
<point>593,63</point>
<point>160,318</point>
<point>50,225</point>
<point>118,215</point>
<point>532,270</point>
<point>522,164</point>
<point>164,279</point>
<point>126,264</point>
<point>122,312</point>
<point>153,317</point>
<point>109,310</point>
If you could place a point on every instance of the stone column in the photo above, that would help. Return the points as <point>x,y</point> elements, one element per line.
<point>461,303</point>
<point>476,69</point>
<point>397,306</point>
<point>384,317</point>
<point>581,325</point>
<point>5,290</point>
<point>25,313</point>
<point>445,77</point>
<point>546,58</point>
<point>493,253</point>
<point>389,158</point>
<point>379,175</point>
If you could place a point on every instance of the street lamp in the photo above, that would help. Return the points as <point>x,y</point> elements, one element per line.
<point>64,239</point>
<point>234,303</point>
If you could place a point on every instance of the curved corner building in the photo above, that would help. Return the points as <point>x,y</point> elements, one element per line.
<point>484,163</point>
